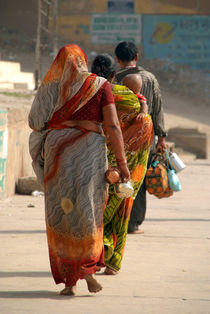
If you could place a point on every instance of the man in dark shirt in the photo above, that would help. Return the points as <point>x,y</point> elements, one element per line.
<point>127,57</point>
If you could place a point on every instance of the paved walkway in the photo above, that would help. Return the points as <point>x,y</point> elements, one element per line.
<point>166,270</point>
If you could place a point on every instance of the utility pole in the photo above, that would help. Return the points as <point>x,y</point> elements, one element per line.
<point>37,48</point>
<point>55,28</point>
<point>47,10</point>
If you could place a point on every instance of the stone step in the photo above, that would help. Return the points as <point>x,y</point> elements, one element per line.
<point>26,185</point>
<point>191,140</point>
<point>11,76</point>
<point>8,67</point>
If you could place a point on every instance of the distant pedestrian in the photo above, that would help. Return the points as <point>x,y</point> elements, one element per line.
<point>127,57</point>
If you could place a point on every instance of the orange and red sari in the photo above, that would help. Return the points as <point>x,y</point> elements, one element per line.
<point>71,163</point>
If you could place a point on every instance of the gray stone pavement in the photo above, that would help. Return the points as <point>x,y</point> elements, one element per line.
<point>165,271</point>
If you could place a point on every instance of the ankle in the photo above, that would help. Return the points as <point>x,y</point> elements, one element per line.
<point>88,277</point>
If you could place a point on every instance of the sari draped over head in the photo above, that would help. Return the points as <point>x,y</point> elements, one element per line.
<point>138,138</point>
<point>71,163</point>
<point>60,95</point>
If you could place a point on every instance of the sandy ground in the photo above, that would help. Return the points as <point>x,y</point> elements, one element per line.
<point>165,271</point>
<point>183,111</point>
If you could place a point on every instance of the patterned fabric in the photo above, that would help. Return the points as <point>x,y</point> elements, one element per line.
<point>156,180</point>
<point>92,112</point>
<point>150,89</point>
<point>138,138</point>
<point>66,81</point>
<point>60,95</point>
<point>75,197</point>
<point>71,162</point>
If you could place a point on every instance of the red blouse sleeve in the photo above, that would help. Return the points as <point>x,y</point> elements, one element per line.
<point>107,96</point>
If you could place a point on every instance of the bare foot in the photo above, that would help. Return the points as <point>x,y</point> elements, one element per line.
<point>93,285</point>
<point>109,271</point>
<point>71,291</point>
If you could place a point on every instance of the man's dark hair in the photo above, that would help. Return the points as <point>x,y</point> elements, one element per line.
<point>126,51</point>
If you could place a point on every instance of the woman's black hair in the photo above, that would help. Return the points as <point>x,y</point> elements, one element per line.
<point>126,51</point>
<point>104,65</point>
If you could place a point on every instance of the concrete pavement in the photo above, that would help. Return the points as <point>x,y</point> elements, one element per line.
<point>165,271</point>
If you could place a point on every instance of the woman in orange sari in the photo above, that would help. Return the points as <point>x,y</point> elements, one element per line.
<point>68,153</point>
<point>137,134</point>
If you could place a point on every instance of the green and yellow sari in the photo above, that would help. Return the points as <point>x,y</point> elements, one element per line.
<point>137,138</point>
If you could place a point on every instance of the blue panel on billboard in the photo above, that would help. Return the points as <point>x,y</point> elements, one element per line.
<point>120,6</point>
<point>183,39</point>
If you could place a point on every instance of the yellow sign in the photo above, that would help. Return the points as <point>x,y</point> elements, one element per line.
<point>163,33</point>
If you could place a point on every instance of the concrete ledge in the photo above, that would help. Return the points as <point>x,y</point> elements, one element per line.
<point>10,73</point>
<point>191,140</point>
<point>26,185</point>
<point>18,160</point>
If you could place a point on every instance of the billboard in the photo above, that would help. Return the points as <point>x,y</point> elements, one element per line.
<point>113,28</point>
<point>183,39</point>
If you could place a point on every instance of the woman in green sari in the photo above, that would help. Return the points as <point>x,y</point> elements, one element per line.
<point>137,134</point>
